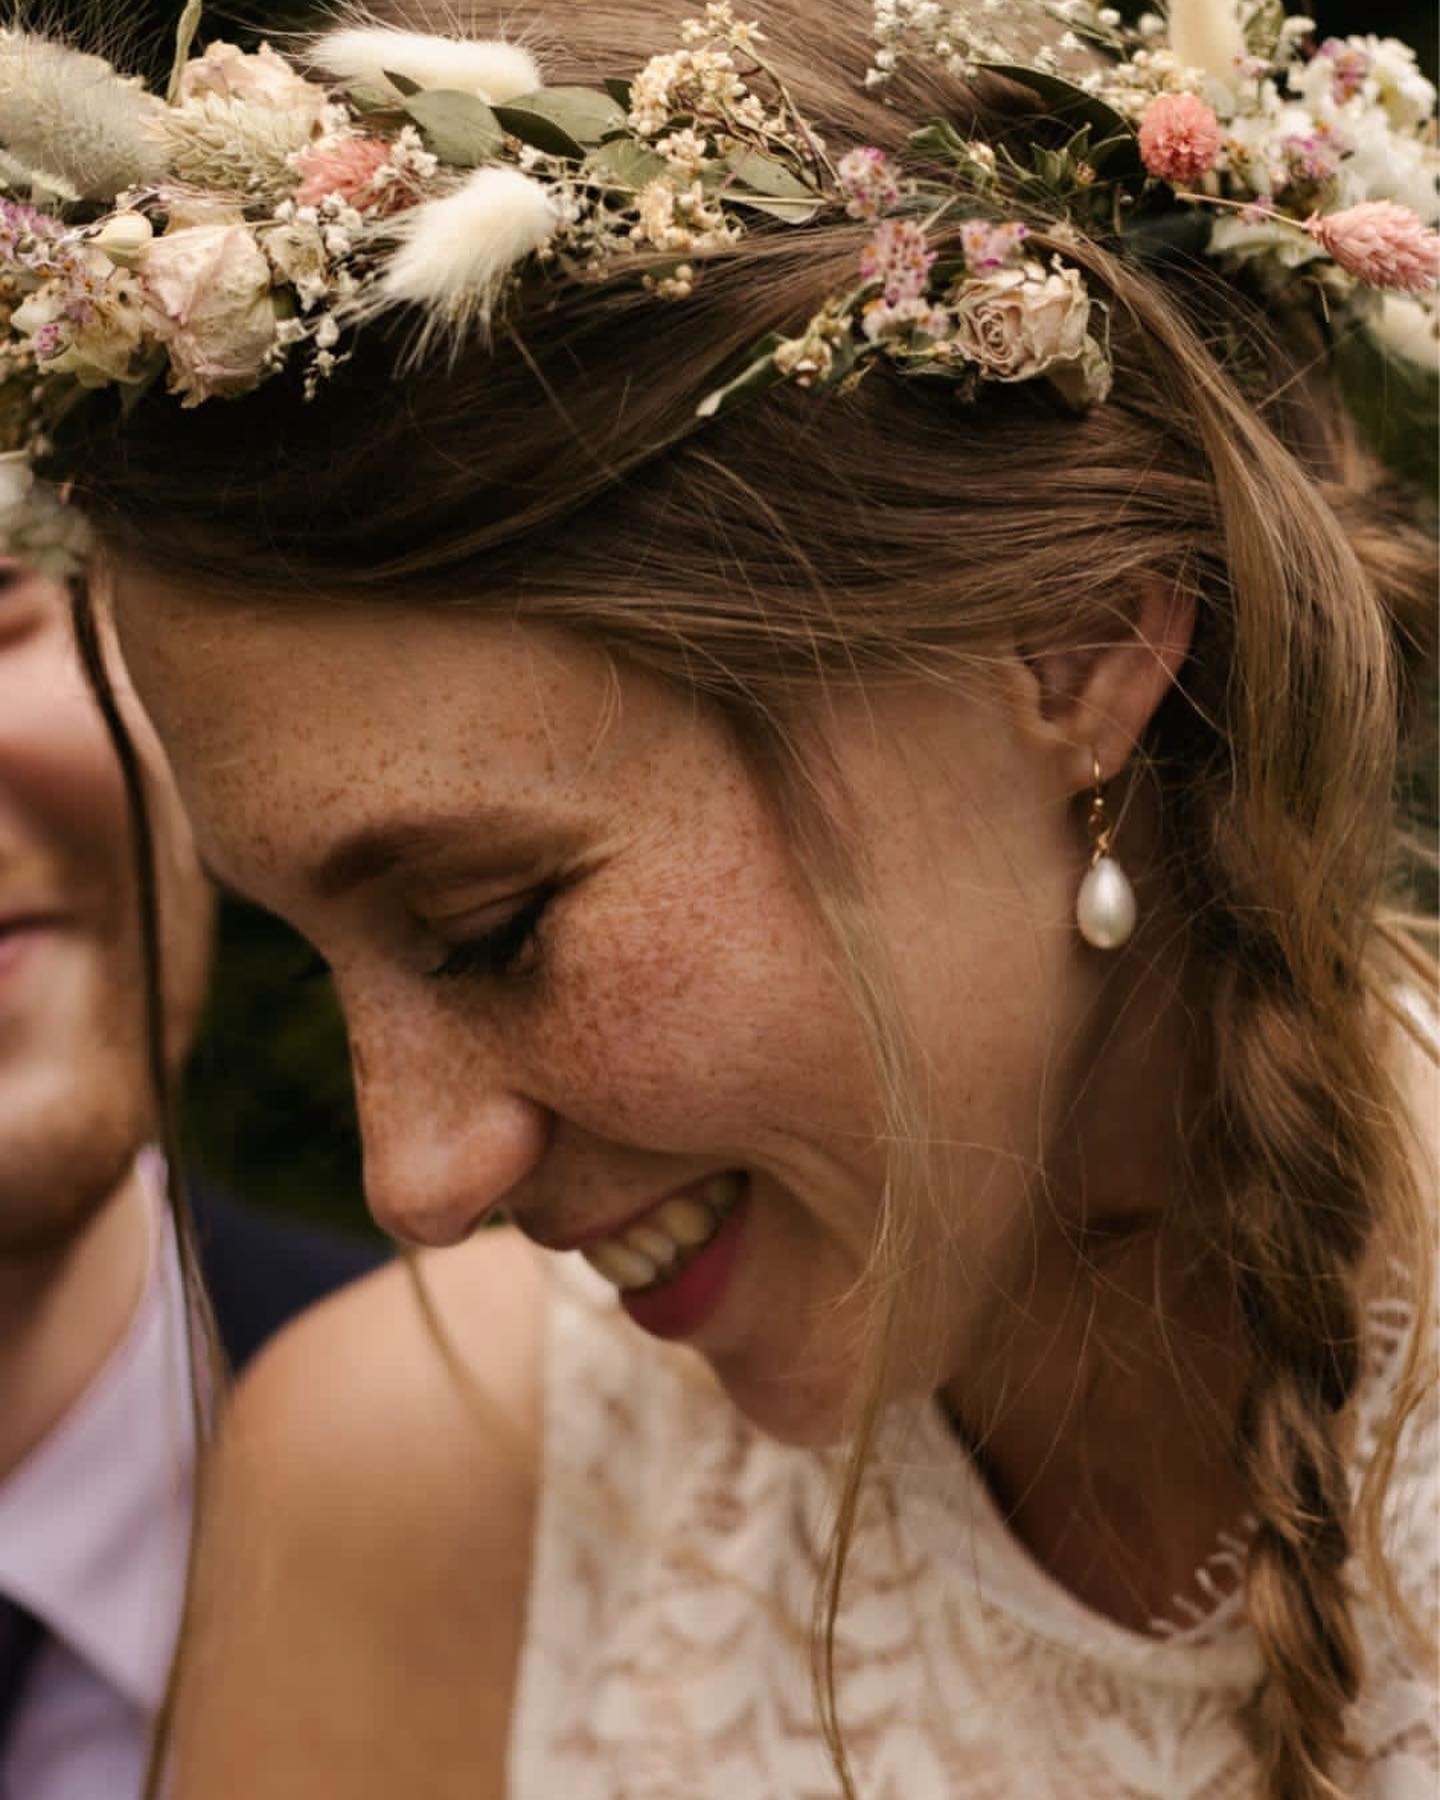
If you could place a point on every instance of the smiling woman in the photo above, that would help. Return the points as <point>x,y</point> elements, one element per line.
<point>685,723</point>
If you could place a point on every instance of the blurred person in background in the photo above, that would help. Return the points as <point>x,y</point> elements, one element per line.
<point>96,1415</point>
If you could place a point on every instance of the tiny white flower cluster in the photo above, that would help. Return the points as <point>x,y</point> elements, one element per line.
<point>683,220</point>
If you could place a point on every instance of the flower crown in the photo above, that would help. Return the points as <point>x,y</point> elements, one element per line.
<point>261,213</point>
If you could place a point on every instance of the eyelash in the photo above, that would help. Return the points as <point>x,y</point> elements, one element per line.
<point>497,951</point>
<point>493,953</point>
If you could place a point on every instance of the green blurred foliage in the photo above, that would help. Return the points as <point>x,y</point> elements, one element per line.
<point>269,1110</point>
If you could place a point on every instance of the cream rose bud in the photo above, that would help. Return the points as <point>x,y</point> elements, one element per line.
<point>262,79</point>
<point>1017,322</point>
<point>123,236</point>
<point>209,294</point>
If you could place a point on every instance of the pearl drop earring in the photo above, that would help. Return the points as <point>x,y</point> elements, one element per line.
<point>1105,905</point>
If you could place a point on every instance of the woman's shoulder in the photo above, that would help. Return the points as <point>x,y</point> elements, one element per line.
<point>365,1544</point>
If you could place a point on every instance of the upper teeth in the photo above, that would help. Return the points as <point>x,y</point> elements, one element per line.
<point>636,1257</point>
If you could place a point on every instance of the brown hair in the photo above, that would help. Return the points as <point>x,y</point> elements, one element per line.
<point>889,533</point>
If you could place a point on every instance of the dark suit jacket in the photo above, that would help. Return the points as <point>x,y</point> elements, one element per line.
<point>261,1271</point>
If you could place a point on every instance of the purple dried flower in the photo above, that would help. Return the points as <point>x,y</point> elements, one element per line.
<point>1350,66</point>
<point>868,181</point>
<point>988,246</point>
<point>899,259</point>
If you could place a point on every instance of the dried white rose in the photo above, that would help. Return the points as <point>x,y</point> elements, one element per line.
<point>263,80</point>
<point>1015,323</point>
<point>209,289</point>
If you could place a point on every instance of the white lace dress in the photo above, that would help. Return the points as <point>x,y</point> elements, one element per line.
<point>667,1647</point>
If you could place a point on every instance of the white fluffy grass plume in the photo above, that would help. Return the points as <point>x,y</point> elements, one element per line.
<point>69,119</point>
<point>494,71</point>
<point>454,253</point>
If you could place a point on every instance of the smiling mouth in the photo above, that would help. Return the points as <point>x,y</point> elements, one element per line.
<point>655,1249</point>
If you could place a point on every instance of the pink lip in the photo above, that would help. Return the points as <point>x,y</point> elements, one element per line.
<point>20,936</point>
<point>597,1234</point>
<point>677,1308</point>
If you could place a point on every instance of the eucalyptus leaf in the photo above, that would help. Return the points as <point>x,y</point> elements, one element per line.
<point>563,121</point>
<point>764,175</point>
<point>460,128</point>
<point>626,164</point>
<point>793,212</point>
<point>619,92</point>
<point>403,83</point>
<point>757,375</point>
<point>767,186</point>
<point>1073,106</point>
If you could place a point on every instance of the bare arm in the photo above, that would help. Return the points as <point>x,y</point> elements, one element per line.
<point>358,1607</point>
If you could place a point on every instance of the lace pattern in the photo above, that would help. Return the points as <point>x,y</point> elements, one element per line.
<point>676,1555</point>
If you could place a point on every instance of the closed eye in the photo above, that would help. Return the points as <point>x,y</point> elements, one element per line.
<point>498,951</point>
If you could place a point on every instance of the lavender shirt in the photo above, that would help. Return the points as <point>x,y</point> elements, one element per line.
<point>94,1527</point>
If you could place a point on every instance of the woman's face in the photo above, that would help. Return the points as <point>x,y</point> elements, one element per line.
<point>583,981</point>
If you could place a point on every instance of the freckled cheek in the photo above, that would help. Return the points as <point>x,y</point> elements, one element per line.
<point>702,1054</point>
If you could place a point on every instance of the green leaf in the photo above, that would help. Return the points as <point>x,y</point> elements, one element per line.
<point>403,83</point>
<point>1179,235</point>
<point>460,128</point>
<point>626,163</point>
<point>1073,106</point>
<point>767,186</point>
<point>1263,28</point>
<point>563,121</point>
<point>757,375</point>
<point>619,92</point>
<point>940,140</point>
<point>1121,144</point>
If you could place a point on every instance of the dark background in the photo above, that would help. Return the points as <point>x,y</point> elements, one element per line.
<point>269,1111</point>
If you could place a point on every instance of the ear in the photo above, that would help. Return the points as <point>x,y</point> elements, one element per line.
<point>1097,698</point>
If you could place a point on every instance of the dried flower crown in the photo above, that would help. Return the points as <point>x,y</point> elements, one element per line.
<point>259,214</point>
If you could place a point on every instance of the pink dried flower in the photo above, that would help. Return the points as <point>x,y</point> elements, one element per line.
<point>988,246</point>
<point>347,169</point>
<point>867,179</point>
<point>899,259</point>
<point>1310,155</point>
<point>1350,64</point>
<point>1179,137</point>
<point>1381,244</point>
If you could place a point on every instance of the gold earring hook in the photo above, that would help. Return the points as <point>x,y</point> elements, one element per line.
<point>1099,820</point>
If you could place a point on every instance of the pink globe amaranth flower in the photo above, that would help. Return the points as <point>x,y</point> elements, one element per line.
<point>1381,244</point>
<point>1179,138</point>
<point>347,169</point>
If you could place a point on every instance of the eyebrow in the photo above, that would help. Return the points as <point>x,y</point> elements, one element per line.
<point>374,851</point>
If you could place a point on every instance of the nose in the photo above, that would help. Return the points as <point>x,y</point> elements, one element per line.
<point>435,1167</point>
